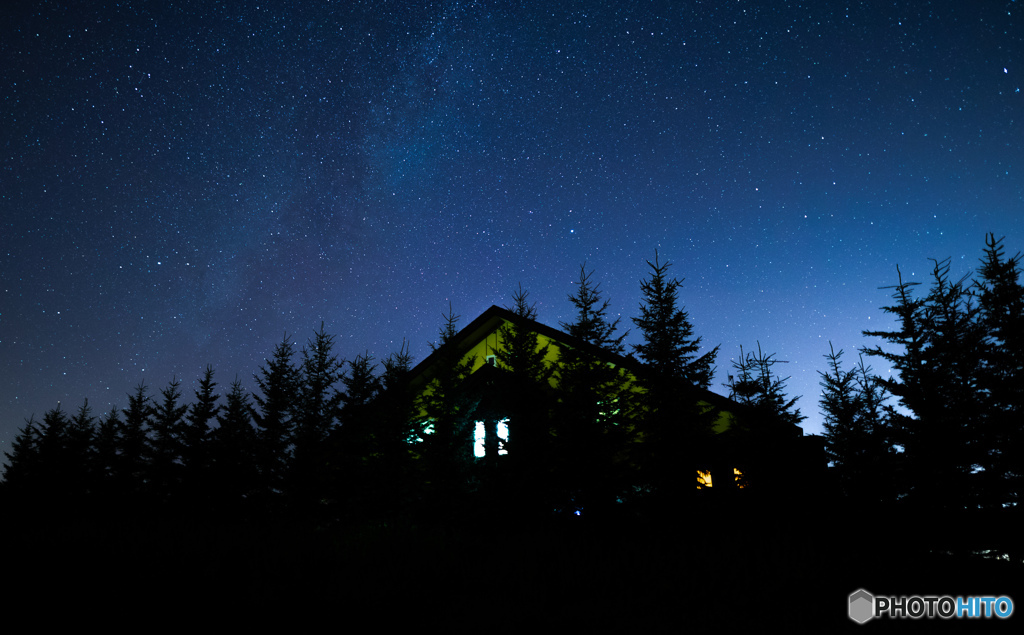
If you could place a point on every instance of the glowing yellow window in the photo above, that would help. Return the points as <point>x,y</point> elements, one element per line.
<point>738,478</point>
<point>703,479</point>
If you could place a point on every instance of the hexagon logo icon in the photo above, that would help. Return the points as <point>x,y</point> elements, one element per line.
<point>862,606</point>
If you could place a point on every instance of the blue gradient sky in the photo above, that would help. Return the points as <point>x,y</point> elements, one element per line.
<point>183,184</point>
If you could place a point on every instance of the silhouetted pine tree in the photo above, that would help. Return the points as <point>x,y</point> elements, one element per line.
<point>592,421</point>
<point>131,473</point>
<point>939,372</point>
<point>763,428</point>
<point>278,382</point>
<point>195,440</point>
<point>43,463</point>
<point>520,351</point>
<point>675,424</point>
<point>910,388</point>
<point>81,433</point>
<point>956,359</point>
<point>233,452</point>
<point>396,368</point>
<point>165,446</point>
<point>669,347</point>
<point>105,460</point>
<point>53,445</point>
<point>524,397</point>
<point>769,411</point>
<point>23,461</point>
<point>316,413</point>
<point>447,442</point>
<point>394,433</point>
<point>354,441</point>
<point>856,431</point>
<point>592,324</point>
<point>1001,302</point>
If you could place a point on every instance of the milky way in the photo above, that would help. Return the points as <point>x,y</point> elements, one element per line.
<point>181,185</point>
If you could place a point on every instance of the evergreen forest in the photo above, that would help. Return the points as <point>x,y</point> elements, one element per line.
<point>337,483</point>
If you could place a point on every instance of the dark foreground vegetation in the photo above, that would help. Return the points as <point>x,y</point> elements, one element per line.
<point>719,569</point>
<point>336,490</point>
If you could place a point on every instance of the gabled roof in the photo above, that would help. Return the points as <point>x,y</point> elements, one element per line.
<point>495,317</point>
<point>486,326</point>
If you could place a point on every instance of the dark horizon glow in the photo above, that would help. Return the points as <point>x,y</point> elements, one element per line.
<point>182,185</point>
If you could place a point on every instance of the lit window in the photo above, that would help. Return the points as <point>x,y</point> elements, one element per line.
<point>426,427</point>
<point>738,478</point>
<point>502,436</point>
<point>480,438</point>
<point>703,479</point>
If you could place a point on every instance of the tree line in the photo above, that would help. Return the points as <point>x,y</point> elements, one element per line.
<point>945,429</point>
<point>322,433</point>
<point>337,438</point>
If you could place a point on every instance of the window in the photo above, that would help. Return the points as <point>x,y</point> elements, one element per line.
<point>479,434</point>
<point>703,479</point>
<point>426,427</point>
<point>480,438</point>
<point>738,478</point>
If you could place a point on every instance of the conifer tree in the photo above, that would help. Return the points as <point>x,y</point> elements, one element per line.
<point>592,324</point>
<point>939,370</point>
<point>911,386</point>
<point>593,410</point>
<point>354,441</point>
<point>42,466</point>
<point>195,438</point>
<point>316,414</point>
<point>132,474</point>
<point>840,406</point>
<point>1001,304</point>
<point>445,431</point>
<point>520,351</point>
<point>165,447</point>
<point>23,460</point>
<point>63,452</point>
<point>525,391</point>
<point>395,431</point>
<point>232,451</point>
<point>956,360</point>
<point>273,411</point>
<point>771,413</point>
<point>767,421</point>
<point>105,455</point>
<point>81,432</point>
<point>856,432</point>
<point>669,347</point>
<point>676,424</point>
<point>396,404</point>
<point>362,385</point>
<point>53,434</point>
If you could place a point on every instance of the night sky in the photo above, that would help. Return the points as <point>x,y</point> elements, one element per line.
<point>183,184</point>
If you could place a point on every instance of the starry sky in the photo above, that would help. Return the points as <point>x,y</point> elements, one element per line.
<point>181,184</point>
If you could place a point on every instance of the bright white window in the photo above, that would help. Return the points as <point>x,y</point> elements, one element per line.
<point>480,438</point>
<point>502,436</point>
<point>426,427</point>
